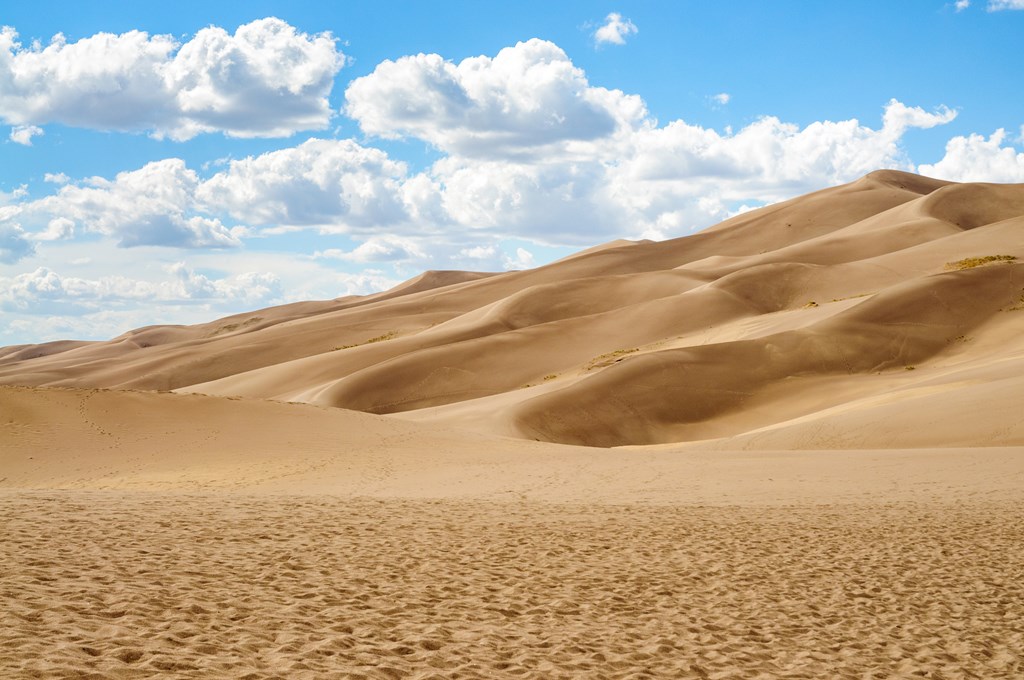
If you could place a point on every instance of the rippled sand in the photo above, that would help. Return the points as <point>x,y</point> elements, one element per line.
<point>122,585</point>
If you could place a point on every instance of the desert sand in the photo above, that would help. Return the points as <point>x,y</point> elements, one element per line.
<point>788,446</point>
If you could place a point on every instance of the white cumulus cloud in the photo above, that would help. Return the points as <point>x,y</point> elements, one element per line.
<point>528,97</point>
<point>23,134</point>
<point>899,117</point>
<point>384,248</point>
<point>976,159</point>
<point>769,158</point>
<point>615,30</point>
<point>266,79</point>
<point>560,201</point>
<point>534,150</point>
<point>522,260</point>
<point>153,205</point>
<point>58,229</point>
<point>320,182</point>
<point>665,181</point>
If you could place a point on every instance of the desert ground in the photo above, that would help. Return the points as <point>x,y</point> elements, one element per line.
<point>788,446</point>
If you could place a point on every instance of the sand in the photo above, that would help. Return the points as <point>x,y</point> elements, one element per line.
<point>166,535</point>
<point>121,585</point>
<point>789,446</point>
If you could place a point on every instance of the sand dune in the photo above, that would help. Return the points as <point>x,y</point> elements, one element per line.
<point>733,329</point>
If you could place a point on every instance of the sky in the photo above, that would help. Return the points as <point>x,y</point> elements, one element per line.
<point>172,163</point>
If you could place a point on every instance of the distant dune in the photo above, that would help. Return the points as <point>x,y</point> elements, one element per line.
<point>882,313</point>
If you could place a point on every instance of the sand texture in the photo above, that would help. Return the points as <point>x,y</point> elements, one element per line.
<point>135,586</point>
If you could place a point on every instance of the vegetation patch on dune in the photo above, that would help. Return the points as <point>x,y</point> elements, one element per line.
<point>609,358</point>
<point>852,297</point>
<point>971,262</point>
<point>380,338</point>
<point>228,327</point>
<point>548,378</point>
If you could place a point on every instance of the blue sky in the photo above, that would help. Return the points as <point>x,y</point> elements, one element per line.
<point>172,164</point>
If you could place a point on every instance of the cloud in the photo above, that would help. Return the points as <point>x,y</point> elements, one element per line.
<point>58,229</point>
<point>14,243</point>
<point>663,181</point>
<point>44,291</point>
<point>250,288</point>
<point>522,260</point>
<point>153,205</point>
<point>56,178</point>
<point>23,134</point>
<point>769,158</point>
<point>976,159</point>
<point>477,253</point>
<point>266,80</point>
<point>898,117</point>
<point>43,305</point>
<point>614,30</point>
<point>999,5</point>
<point>377,249</point>
<point>961,5</point>
<point>560,201</point>
<point>603,169</point>
<point>320,182</point>
<point>87,290</point>
<point>534,151</point>
<point>9,197</point>
<point>528,98</point>
<point>644,180</point>
<point>722,98</point>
